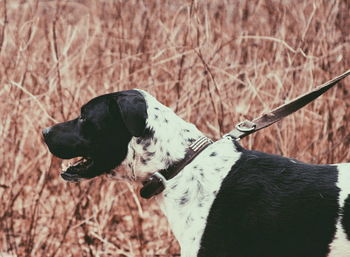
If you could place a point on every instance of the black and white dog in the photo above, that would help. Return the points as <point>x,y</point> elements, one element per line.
<point>228,201</point>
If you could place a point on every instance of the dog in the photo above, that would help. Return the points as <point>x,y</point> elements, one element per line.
<point>227,201</point>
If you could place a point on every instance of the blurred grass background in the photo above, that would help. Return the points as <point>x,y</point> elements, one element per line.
<point>215,62</point>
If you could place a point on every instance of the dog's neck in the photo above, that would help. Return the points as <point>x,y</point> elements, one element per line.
<point>188,196</point>
<point>161,147</point>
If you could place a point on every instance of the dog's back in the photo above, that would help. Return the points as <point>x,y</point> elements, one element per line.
<point>272,206</point>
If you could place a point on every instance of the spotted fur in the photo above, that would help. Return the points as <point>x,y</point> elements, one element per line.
<point>188,197</point>
<point>193,191</point>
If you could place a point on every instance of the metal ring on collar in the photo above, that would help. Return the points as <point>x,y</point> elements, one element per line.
<point>161,177</point>
<point>246,126</point>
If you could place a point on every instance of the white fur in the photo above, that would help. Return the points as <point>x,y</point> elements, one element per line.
<point>187,199</point>
<point>198,184</point>
<point>340,247</point>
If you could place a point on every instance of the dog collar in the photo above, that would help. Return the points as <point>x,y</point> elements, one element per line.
<point>156,183</point>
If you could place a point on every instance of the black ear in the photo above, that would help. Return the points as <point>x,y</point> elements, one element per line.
<point>133,109</point>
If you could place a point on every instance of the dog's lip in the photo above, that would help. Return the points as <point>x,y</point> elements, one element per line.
<point>77,170</point>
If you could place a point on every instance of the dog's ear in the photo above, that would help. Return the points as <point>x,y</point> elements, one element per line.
<point>133,110</point>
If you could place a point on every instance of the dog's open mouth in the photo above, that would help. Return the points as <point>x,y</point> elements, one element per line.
<point>78,170</point>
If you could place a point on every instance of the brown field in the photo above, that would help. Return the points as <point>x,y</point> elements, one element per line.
<point>214,62</point>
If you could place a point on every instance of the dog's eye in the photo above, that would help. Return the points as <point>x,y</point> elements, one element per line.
<point>82,119</point>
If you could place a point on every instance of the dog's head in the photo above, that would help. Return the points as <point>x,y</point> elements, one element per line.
<point>100,135</point>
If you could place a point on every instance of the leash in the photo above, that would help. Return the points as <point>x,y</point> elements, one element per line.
<point>248,127</point>
<point>156,183</point>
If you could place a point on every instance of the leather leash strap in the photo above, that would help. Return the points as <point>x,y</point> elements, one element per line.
<point>247,127</point>
<point>155,184</point>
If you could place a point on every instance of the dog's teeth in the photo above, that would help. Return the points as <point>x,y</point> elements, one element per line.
<point>64,166</point>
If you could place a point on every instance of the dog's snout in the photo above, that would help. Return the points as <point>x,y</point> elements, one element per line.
<point>46,131</point>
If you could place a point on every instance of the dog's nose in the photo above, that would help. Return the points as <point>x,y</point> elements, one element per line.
<point>46,131</point>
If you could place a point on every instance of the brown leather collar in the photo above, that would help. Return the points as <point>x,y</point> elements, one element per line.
<point>155,184</point>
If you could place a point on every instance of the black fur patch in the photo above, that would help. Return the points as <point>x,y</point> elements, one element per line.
<point>260,211</point>
<point>144,161</point>
<point>183,200</point>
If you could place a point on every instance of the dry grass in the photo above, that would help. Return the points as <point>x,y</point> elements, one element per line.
<point>214,62</point>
